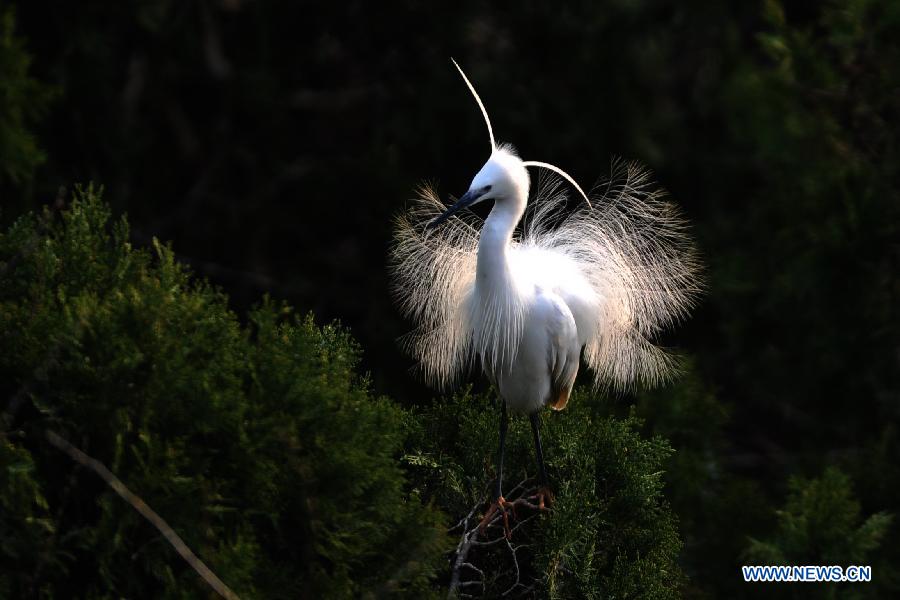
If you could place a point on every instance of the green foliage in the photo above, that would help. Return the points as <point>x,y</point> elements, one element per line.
<point>258,444</point>
<point>706,497</point>
<point>821,525</point>
<point>810,276</point>
<point>610,533</point>
<point>814,271</point>
<point>23,511</point>
<point>22,101</point>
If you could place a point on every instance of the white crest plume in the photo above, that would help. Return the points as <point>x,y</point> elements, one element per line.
<point>558,171</point>
<point>527,163</point>
<point>487,119</point>
<point>625,267</point>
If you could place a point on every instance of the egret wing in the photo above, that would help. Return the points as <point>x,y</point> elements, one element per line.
<point>564,353</point>
<point>626,268</point>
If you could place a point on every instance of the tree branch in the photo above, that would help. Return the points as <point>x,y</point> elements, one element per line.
<point>145,511</point>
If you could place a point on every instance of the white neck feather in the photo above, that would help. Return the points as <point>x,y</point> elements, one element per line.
<point>498,314</point>
<point>496,236</point>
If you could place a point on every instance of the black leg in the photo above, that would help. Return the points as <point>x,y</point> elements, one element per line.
<point>535,427</point>
<point>504,421</point>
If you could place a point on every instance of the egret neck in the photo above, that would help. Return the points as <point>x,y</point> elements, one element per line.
<point>496,236</point>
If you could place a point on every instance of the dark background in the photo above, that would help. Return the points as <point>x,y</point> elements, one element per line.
<point>273,142</point>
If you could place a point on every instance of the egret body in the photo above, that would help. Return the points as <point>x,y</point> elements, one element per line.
<point>599,282</point>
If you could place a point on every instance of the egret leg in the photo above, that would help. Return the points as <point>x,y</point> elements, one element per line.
<point>504,423</point>
<point>543,495</point>
<point>499,503</point>
<point>536,429</point>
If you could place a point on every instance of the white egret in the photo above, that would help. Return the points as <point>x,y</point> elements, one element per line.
<point>598,283</point>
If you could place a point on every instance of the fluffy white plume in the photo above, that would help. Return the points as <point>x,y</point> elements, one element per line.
<point>625,267</point>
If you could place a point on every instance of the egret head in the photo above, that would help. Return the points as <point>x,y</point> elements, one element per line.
<point>503,179</point>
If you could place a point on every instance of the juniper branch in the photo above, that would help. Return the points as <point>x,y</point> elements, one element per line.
<point>148,513</point>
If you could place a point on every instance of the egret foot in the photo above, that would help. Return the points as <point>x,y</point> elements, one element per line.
<point>540,500</point>
<point>544,498</point>
<point>503,507</point>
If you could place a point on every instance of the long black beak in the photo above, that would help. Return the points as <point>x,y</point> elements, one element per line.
<point>468,199</point>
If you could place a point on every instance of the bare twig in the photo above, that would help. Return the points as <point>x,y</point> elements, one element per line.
<point>515,559</point>
<point>148,513</point>
<point>462,551</point>
<point>501,538</point>
<point>476,535</point>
